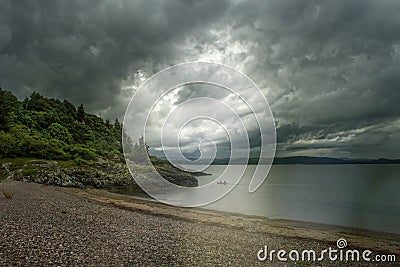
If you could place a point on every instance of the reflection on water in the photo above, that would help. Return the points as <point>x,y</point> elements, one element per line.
<point>363,196</point>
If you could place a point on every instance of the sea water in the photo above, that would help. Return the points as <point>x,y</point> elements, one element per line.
<point>361,196</point>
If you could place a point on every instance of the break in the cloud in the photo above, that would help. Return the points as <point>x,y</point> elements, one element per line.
<point>330,69</point>
<point>191,113</point>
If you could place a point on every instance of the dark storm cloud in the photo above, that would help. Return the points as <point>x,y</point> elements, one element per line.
<point>330,69</point>
<point>327,67</point>
<point>82,50</point>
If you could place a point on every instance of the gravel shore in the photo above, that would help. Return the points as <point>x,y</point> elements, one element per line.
<point>45,225</point>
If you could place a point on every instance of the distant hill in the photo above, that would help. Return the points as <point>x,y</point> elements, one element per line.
<point>325,160</point>
<point>304,160</point>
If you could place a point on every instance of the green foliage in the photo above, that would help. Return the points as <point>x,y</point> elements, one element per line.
<point>81,113</point>
<point>59,132</point>
<point>70,109</point>
<point>38,127</point>
<point>82,133</point>
<point>9,108</point>
<point>117,125</point>
<point>82,152</point>
<point>7,144</point>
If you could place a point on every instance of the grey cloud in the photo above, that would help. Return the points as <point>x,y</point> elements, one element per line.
<point>200,90</point>
<point>328,68</point>
<point>325,66</point>
<point>82,50</point>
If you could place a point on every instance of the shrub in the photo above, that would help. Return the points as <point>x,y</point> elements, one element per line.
<point>78,151</point>
<point>59,132</point>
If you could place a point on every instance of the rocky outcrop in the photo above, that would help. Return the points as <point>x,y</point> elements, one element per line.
<point>98,175</point>
<point>102,174</point>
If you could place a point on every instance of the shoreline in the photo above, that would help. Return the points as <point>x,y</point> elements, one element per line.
<point>146,198</point>
<point>360,238</point>
<point>47,225</point>
<point>149,199</point>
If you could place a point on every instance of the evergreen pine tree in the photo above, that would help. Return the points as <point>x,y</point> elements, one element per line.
<point>81,113</point>
<point>117,125</point>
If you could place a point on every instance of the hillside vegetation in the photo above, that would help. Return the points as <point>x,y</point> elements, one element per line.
<point>38,127</point>
<point>52,142</point>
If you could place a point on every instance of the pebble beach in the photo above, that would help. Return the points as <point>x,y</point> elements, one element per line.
<point>52,226</point>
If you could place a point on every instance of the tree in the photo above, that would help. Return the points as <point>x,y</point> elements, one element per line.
<point>59,132</point>
<point>9,106</point>
<point>36,102</point>
<point>81,113</point>
<point>117,125</point>
<point>46,128</point>
<point>143,144</point>
<point>70,109</point>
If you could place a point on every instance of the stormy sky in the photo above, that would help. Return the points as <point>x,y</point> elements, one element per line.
<point>329,69</point>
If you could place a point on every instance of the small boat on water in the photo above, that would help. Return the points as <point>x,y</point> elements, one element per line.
<point>222,182</point>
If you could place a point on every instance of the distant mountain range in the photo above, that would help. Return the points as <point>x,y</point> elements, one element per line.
<point>304,160</point>
<point>325,160</point>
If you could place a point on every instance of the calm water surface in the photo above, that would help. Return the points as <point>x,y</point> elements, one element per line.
<point>362,196</point>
